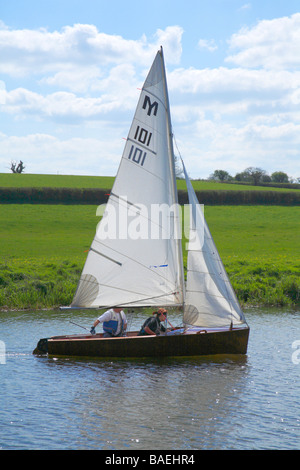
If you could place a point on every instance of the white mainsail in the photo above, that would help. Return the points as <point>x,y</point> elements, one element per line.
<point>135,258</point>
<point>210,298</point>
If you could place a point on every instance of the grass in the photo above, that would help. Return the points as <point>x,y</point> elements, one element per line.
<point>43,249</point>
<point>260,248</point>
<point>106,182</point>
<point>25,180</point>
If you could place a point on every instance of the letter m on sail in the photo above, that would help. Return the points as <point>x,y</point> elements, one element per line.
<point>151,106</point>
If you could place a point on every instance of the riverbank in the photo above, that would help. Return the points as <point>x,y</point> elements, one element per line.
<point>43,250</point>
<point>37,284</point>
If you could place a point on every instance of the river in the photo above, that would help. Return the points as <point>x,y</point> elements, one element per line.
<point>222,402</point>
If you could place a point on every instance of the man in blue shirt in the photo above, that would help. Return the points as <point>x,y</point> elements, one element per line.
<point>114,323</point>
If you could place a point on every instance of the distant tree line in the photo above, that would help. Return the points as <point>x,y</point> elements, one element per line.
<point>253,175</point>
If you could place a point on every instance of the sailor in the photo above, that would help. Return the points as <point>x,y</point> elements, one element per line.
<point>153,326</point>
<point>114,323</point>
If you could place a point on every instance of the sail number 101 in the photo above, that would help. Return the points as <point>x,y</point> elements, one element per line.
<point>136,154</point>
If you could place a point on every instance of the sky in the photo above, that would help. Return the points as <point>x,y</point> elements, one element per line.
<point>70,73</point>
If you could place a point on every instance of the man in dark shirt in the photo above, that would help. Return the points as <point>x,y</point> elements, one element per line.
<point>152,325</point>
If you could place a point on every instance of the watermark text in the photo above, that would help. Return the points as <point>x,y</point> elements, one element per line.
<point>296,353</point>
<point>124,220</point>
<point>2,352</point>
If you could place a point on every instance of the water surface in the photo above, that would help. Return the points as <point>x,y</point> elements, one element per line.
<point>221,402</point>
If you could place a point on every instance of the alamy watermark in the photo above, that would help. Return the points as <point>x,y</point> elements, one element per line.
<point>296,353</point>
<point>2,353</point>
<point>124,220</point>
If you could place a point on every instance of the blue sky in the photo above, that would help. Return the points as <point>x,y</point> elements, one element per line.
<point>70,72</point>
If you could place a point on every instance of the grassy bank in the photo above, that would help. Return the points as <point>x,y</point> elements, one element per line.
<point>43,249</point>
<point>24,180</point>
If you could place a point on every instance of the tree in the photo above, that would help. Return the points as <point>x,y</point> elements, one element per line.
<point>279,177</point>
<point>243,176</point>
<point>220,175</point>
<point>17,168</point>
<point>255,174</point>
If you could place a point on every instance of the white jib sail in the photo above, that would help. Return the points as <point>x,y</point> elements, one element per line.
<point>135,257</point>
<point>210,298</point>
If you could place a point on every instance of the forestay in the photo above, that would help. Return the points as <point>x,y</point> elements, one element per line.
<point>135,258</point>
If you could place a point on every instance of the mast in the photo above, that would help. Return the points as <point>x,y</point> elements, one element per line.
<point>177,227</point>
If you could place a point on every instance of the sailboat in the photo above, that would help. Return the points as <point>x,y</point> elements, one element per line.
<point>135,260</point>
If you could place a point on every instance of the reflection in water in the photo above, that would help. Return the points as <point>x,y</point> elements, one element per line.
<point>161,404</point>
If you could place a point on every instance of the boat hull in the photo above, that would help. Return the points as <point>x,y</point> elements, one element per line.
<point>203,342</point>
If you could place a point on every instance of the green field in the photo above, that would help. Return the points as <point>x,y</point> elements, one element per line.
<point>105,182</point>
<point>54,181</point>
<point>43,248</point>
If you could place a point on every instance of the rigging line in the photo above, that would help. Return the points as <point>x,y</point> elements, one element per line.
<point>211,274</point>
<point>215,251</point>
<point>143,168</point>
<point>237,318</point>
<point>229,299</point>
<point>210,294</point>
<point>120,289</point>
<point>88,281</point>
<point>143,300</point>
<point>145,217</point>
<point>133,260</point>
<point>177,148</point>
<point>166,294</point>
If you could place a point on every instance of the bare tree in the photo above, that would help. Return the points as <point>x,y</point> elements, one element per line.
<point>17,168</point>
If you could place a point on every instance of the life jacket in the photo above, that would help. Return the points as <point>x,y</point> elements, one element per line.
<point>111,326</point>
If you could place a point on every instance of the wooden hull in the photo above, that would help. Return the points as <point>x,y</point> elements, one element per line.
<point>233,341</point>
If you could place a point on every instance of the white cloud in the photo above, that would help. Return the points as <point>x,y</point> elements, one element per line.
<point>44,153</point>
<point>271,44</point>
<point>114,92</point>
<point>211,144</point>
<point>238,80</point>
<point>33,52</point>
<point>79,92</point>
<point>246,6</point>
<point>74,78</point>
<point>207,44</point>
